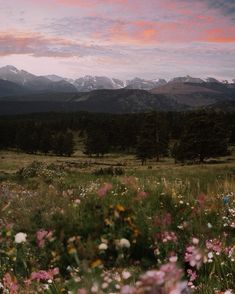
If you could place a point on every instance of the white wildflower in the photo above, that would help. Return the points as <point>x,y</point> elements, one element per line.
<point>124,243</point>
<point>126,275</point>
<point>20,238</point>
<point>103,246</point>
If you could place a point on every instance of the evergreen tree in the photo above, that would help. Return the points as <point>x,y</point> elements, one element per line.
<point>204,136</point>
<point>63,144</point>
<point>96,143</point>
<point>153,139</point>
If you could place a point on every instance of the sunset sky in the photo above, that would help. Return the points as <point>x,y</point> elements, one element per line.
<point>119,38</point>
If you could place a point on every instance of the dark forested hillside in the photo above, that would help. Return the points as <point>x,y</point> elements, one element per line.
<point>106,101</point>
<point>148,134</point>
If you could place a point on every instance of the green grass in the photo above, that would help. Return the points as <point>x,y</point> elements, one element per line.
<point>142,206</point>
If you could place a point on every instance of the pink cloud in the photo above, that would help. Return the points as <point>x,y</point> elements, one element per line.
<point>39,45</point>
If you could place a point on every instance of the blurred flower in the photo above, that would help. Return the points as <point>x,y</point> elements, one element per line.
<point>82,291</point>
<point>95,288</point>
<point>228,292</point>
<point>142,195</point>
<point>126,275</point>
<point>192,275</point>
<point>44,275</point>
<point>195,241</point>
<point>193,256</point>
<point>103,246</point>
<point>20,238</point>
<point>104,189</point>
<point>214,245</point>
<point>173,259</point>
<point>10,283</point>
<point>164,220</point>
<point>201,200</point>
<point>166,280</point>
<point>167,237</point>
<point>96,263</point>
<point>127,290</point>
<point>41,237</point>
<point>124,243</point>
<point>226,199</point>
<point>209,225</point>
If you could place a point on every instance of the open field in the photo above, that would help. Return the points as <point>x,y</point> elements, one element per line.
<point>75,225</point>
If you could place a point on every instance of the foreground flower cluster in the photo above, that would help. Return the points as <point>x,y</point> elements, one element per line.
<point>122,237</point>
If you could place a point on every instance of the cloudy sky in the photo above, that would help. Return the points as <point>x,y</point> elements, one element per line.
<point>119,38</point>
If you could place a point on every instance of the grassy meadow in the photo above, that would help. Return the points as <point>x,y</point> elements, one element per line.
<point>109,225</point>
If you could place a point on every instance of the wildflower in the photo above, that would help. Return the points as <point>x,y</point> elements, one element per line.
<point>210,255</point>
<point>44,275</point>
<point>126,275</point>
<point>127,290</point>
<point>228,291</point>
<point>193,256</point>
<point>173,258</point>
<point>41,236</point>
<point>95,288</point>
<point>104,285</point>
<point>10,283</point>
<point>130,182</point>
<point>82,291</point>
<point>104,189</point>
<point>192,275</point>
<point>20,238</point>
<point>164,280</point>
<point>167,237</point>
<point>226,199</point>
<point>214,245</point>
<point>201,200</point>
<point>209,225</point>
<point>156,251</point>
<point>103,246</point>
<point>120,208</point>
<point>195,241</point>
<point>142,194</point>
<point>163,221</point>
<point>124,243</point>
<point>96,263</point>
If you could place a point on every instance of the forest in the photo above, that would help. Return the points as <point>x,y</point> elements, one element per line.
<point>186,136</point>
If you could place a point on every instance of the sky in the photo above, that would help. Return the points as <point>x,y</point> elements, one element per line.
<point>119,38</point>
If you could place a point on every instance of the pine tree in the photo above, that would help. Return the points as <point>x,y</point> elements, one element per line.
<point>204,137</point>
<point>153,139</point>
<point>96,143</point>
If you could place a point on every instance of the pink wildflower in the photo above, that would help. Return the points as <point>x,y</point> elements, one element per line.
<point>201,200</point>
<point>44,275</point>
<point>41,236</point>
<point>193,256</point>
<point>142,194</point>
<point>167,237</point>
<point>192,275</point>
<point>104,189</point>
<point>214,245</point>
<point>10,283</point>
<point>130,182</point>
<point>164,220</point>
<point>166,280</point>
<point>127,290</point>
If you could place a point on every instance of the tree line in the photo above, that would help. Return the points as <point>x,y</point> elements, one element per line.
<point>192,136</point>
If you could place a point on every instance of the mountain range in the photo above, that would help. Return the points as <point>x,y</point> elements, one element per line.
<point>103,94</point>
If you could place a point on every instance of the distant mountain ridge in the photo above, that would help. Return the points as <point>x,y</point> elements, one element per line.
<point>31,83</point>
<point>88,83</point>
<point>102,94</point>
